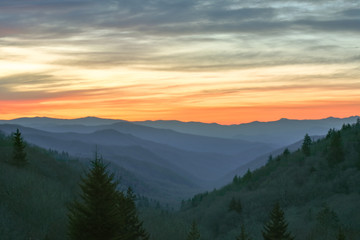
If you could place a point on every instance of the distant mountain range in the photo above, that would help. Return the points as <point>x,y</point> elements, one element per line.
<point>173,165</point>
<point>282,132</point>
<point>174,159</point>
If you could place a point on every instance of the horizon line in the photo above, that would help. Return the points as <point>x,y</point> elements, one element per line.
<point>174,120</point>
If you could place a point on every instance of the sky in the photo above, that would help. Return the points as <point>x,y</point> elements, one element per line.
<point>229,61</point>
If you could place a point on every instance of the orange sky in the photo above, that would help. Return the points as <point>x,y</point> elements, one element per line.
<point>196,61</point>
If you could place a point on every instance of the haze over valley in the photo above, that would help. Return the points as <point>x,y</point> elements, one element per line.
<point>165,161</point>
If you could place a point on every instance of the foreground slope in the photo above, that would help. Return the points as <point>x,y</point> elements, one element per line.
<point>33,198</point>
<point>319,193</point>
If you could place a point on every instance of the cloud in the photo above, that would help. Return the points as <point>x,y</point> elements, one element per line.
<point>241,14</point>
<point>340,25</point>
<point>352,13</point>
<point>179,35</point>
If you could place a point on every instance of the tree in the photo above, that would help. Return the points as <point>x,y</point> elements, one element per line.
<point>243,234</point>
<point>236,180</point>
<point>19,154</point>
<point>286,152</point>
<point>330,133</point>
<point>103,212</point>
<point>305,148</point>
<point>247,176</point>
<point>194,233</point>
<point>276,227</point>
<point>336,152</point>
<point>327,223</point>
<point>132,228</point>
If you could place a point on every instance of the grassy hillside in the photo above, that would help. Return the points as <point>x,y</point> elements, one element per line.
<point>319,193</point>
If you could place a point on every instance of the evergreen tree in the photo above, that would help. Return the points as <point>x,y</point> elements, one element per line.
<point>96,216</point>
<point>103,212</point>
<point>327,223</point>
<point>132,228</point>
<point>336,152</point>
<point>247,176</point>
<point>330,133</point>
<point>236,180</point>
<point>19,154</point>
<point>243,234</point>
<point>194,233</point>
<point>286,152</point>
<point>276,227</point>
<point>305,148</point>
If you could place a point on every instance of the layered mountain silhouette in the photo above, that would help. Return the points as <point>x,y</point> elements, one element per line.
<point>282,132</point>
<point>170,160</point>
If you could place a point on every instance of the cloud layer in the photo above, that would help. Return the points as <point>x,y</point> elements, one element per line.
<point>160,56</point>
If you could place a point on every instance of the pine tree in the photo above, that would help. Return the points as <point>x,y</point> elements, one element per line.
<point>306,145</point>
<point>19,154</point>
<point>286,152</point>
<point>133,229</point>
<point>276,227</point>
<point>103,212</point>
<point>194,233</point>
<point>236,180</point>
<point>247,176</point>
<point>96,216</point>
<point>336,152</point>
<point>243,234</point>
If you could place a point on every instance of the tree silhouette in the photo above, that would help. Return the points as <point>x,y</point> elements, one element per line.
<point>132,228</point>
<point>194,233</point>
<point>103,212</point>
<point>247,176</point>
<point>305,148</point>
<point>286,152</point>
<point>19,154</point>
<point>276,227</point>
<point>336,152</point>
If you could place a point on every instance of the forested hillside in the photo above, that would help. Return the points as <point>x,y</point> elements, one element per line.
<point>317,186</point>
<point>33,197</point>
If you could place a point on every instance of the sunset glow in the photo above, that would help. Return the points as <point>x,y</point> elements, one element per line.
<point>187,60</point>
